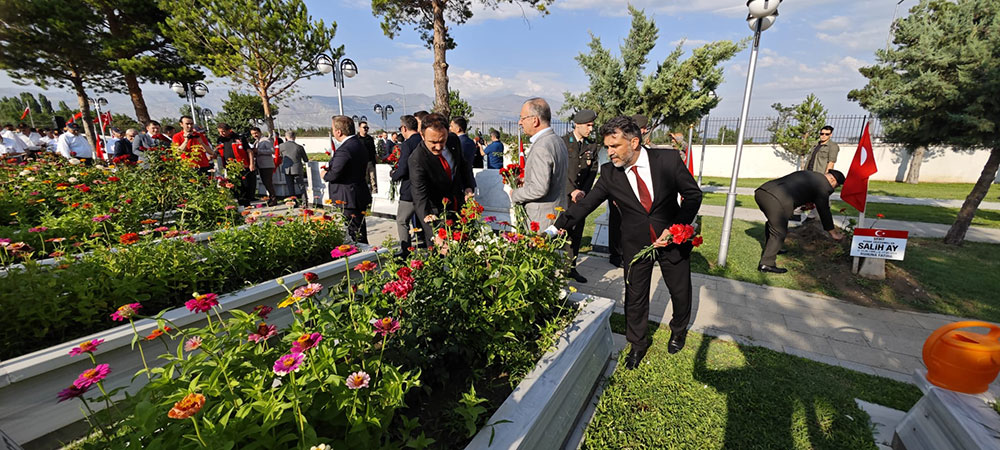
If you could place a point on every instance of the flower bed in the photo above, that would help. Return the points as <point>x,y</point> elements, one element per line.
<point>473,314</point>
<point>53,208</point>
<point>69,300</point>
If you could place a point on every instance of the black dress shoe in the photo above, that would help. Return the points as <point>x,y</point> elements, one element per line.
<point>616,261</point>
<point>677,341</point>
<point>634,358</point>
<point>576,276</point>
<point>782,251</point>
<point>771,269</point>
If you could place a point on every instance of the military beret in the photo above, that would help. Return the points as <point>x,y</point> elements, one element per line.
<point>585,116</point>
<point>640,120</point>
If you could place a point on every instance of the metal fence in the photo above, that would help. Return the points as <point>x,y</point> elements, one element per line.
<point>721,130</point>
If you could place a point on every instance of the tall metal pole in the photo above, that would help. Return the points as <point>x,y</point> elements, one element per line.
<point>100,121</point>
<point>338,80</point>
<point>888,38</point>
<point>727,220</point>
<point>190,94</point>
<point>704,135</point>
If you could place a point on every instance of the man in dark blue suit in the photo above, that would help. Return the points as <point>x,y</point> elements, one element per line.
<point>347,174</point>
<point>409,127</point>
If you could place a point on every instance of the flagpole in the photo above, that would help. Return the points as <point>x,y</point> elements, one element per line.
<point>31,118</point>
<point>861,214</point>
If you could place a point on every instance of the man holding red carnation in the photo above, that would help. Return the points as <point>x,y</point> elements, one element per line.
<point>645,186</point>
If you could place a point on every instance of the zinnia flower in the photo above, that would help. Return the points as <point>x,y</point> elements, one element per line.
<point>289,301</point>
<point>101,218</point>
<point>72,392</point>
<point>262,311</point>
<point>550,216</point>
<point>357,380</point>
<point>442,233</point>
<point>535,226</point>
<point>416,264</point>
<point>37,229</point>
<point>306,342</point>
<point>343,250</point>
<point>385,326</point>
<point>126,312</point>
<point>404,272</point>
<point>310,277</point>
<point>366,266</point>
<point>148,221</point>
<point>291,362</point>
<point>91,377</point>
<point>157,333</point>
<point>880,216</point>
<point>192,344</point>
<point>202,303</point>
<point>129,238</point>
<point>263,333</point>
<point>187,407</point>
<point>86,347</point>
<point>308,290</point>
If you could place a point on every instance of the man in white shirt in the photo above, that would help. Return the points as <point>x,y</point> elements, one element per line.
<point>30,138</point>
<point>16,145</point>
<point>74,145</point>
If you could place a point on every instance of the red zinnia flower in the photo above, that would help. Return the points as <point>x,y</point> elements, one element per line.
<point>202,303</point>
<point>262,311</point>
<point>534,226</point>
<point>129,238</point>
<point>442,233</point>
<point>366,266</point>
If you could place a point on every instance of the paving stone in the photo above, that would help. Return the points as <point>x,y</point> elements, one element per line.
<point>833,328</point>
<point>897,344</point>
<point>864,355</point>
<point>778,333</point>
<point>933,322</point>
<point>916,333</point>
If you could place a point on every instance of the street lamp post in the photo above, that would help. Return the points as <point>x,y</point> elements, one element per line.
<point>347,68</point>
<point>384,111</point>
<point>191,91</point>
<point>704,135</point>
<point>762,16</point>
<point>404,94</point>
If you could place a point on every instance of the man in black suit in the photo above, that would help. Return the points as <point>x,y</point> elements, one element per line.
<point>778,198</point>
<point>369,142</point>
<point>438,172</point>
<point>347,174</point>
<point>645,185</point>
<point>409,128</point>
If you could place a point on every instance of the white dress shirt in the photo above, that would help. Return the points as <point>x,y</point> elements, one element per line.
<point>535,137</point>
<point>70,143</point>
<point>31,141</point>
<point>16,145</point>
<point>647,177</point>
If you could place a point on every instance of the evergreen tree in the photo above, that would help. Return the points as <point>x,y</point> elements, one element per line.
<point>938,86</point>
<point>676,94</point>
<point>240,110</point>
<point>456,105</point>
<point>267,45</point>
<point>797,126</point>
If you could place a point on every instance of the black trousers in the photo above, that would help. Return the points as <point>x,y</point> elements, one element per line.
<point>614,231</point>
<point>777,211</point>
<point>267,178</point>
<point>678,280</point>
<point>246,185</point>
<point>357,227</point>
<point>575,237</point>
<point>293,182</point>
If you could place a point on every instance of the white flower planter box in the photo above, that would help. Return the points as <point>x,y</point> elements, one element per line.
<point>29,412</point>
<point>545,405</point>
<point>948,419</point>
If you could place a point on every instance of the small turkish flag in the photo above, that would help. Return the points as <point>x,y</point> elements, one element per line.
<point>25,113</point>
<point>855,191</point>
<point>277,153</point>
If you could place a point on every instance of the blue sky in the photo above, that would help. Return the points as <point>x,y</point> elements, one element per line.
<point>815,46</point>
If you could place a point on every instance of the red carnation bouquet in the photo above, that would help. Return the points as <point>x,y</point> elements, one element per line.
<point>512,175</point>
<point>678,234</point>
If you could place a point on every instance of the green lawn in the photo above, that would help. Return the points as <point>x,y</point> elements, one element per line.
<point>716,394</point>
<point>934,277</point>
<point>913,213</point>
<point>954,191</point>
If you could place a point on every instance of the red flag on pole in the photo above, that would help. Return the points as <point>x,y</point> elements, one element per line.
<point>78,115</point>
<point>690,159</point>
<point>277,153</point>
<point>100,149</point>
<point>25,113</point>
<point>855,190</point>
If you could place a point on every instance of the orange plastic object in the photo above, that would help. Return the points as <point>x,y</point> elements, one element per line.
<point>963,361</point>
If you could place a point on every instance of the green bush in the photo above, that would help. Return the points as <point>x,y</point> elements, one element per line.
<point>47,305</point>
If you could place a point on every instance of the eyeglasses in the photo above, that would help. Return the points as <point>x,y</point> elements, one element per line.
<point>526,117</point>
<point>364,128</point>
<point>824,134</point>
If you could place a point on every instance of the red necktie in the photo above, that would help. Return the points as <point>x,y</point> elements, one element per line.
<point>444,163</point>
<point>645,199</point>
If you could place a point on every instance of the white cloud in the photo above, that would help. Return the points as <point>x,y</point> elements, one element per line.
<point>620,7</point>
<point>834,23</point>
<point>503,11</point>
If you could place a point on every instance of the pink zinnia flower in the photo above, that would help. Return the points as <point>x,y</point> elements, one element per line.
<point>202,303</point>
<point>72,392</point>
<point>37,229</point>
<point>263,333</point>
<point>385,326</point>
<point>160,229</point>
<point>101,218</point>
<point>306,342</point>
<point>308,290</point>
<point>357,380</point>
<point>511,236</point>
<point>416,264</point>
<point>91,377</point>
<point>192,344</point>
<point>343,250</point>
<point>86,347</point>
<point>400,288</point>
<point>126,312</point>
<point>291,362</point>
<point>366,266</point>
<point>230,207</point>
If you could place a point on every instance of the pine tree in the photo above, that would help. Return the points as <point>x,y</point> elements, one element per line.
<point>797,126</point>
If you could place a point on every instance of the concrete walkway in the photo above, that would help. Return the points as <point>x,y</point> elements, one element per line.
<point>875,199</point>
<point>916,229</point>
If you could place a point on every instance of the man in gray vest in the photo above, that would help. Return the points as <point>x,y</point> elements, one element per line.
<point>293,156</point>
<point>824,155</point>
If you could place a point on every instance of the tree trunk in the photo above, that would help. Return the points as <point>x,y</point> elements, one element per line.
<point>81,98</point>
<point>913,175</point>
<point>138,102</point>
<point>440,65</point>
<point>266,101</point>
<point>956,234</point>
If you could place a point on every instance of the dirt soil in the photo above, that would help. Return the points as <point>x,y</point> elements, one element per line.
<point>829,271</point>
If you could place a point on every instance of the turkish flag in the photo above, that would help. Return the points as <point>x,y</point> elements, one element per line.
<point>855,191</point>
<point>277,153</point>
<point>690,159</point>
<point>25,113</point>
<point>100,148</point>
<point>75,116</point>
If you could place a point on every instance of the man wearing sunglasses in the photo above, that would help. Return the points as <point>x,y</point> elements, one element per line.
<point>824,155</point>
